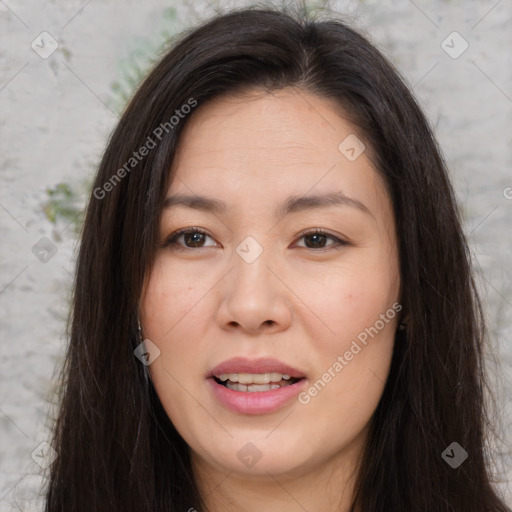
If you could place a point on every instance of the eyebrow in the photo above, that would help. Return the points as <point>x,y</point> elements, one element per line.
<point>293,204</point>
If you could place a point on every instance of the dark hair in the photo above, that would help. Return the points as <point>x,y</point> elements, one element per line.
<point>117,448</point>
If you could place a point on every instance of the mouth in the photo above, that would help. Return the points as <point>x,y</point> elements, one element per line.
<point>255,382</point>
<point>255,386</point>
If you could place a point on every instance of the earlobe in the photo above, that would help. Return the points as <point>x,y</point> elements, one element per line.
<point>139,331</point>
<point>404,322</point>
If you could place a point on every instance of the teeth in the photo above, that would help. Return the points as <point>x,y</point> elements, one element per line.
<point>254,378</point>
<point>251,388</point>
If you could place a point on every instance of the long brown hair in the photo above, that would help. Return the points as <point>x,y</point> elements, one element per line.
<point>117,449</point>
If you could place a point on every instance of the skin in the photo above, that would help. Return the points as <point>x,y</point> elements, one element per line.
<point>302,301</point>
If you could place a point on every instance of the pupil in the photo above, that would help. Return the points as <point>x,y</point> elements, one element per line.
<point>317,238</point>
<point>194,238</point>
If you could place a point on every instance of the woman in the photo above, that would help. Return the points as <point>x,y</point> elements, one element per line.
<point>273,307</point>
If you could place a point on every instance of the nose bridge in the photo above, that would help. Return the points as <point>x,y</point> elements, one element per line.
<point>252,295</point>
<point>250,261</point>
<point>249,250</point>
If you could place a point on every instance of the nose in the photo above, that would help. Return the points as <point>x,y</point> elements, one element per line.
<point>253,297</point>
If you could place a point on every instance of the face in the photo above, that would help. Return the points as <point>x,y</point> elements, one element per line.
<point>273,301</point>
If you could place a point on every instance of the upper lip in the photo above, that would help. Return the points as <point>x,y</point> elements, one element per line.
<point>261,365</point>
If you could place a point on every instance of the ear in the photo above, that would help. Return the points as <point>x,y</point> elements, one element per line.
<point>404,320</point>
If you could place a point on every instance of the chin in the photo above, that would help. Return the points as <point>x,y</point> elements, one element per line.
<point>264,454</point>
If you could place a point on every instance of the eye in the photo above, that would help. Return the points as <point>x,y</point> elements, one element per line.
<point>317,239</point>
<point>193,238</point>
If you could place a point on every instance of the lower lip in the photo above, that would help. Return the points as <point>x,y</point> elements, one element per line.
<point>258,402</point>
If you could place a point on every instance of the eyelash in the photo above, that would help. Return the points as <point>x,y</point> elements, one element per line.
<point>172,240</point>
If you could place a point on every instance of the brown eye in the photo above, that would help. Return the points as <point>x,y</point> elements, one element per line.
<point>196,239</point>
<point>193,239</point>
<point>318,239</point>
<point>188,239</point>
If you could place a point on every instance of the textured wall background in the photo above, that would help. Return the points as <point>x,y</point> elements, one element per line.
<point>60,103</point>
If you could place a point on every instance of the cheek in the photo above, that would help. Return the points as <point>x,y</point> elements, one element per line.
<point>354,364</point>
<point>358,303</point>
<point>172,297</point>
<point>352,298</point>
<point>172,315</point>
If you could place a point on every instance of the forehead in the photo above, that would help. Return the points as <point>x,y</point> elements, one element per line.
<point>283,143</point>
<point>289,124</point>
